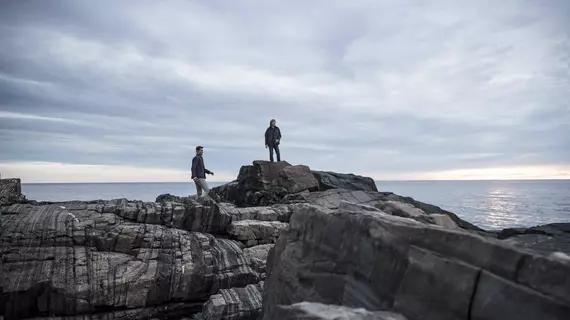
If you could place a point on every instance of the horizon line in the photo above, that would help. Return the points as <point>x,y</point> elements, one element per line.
<point>375,180</point>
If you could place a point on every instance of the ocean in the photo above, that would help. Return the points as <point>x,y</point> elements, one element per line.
<point>490,205</point>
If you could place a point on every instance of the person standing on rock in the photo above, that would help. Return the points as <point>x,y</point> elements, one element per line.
<point>199,172</point>
<point>272,139</point>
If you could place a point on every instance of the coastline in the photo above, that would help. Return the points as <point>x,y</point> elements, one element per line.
<point>228,258</point>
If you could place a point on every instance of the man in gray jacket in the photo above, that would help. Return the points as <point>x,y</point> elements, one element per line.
<point>199,172</point>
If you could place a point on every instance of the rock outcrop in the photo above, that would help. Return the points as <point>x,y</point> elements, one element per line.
<point>234,304</point>
<point>10,192</point>
<point>376,261</point>
<point>333,180</point>
<point>254,232</point>
<point>314,245</point>
<point>266,183</point>
<point>554,237</point>
<point>65,261</point>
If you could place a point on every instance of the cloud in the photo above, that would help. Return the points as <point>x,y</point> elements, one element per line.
<point>395,88</point>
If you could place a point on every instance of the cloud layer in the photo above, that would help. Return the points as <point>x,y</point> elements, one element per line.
<point>394,89</point>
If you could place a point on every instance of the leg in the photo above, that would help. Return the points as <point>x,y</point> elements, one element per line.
<point>277,153</point>
<point>271,153</point>
<point>198,188</point>
<point>204,186</point>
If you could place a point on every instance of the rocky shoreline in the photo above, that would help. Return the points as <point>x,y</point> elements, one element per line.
<point>279,242</point>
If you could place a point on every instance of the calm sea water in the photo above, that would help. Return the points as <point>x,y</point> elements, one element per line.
<point>488,204</point>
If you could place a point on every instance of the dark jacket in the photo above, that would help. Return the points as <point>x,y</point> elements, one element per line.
<point>198,168</point>
<point>272,134</point>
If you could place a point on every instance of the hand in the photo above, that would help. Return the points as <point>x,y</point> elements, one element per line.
<point>277,141</point>
<point>195,178</point>
<point>211,172</point>
<point>265,146</point>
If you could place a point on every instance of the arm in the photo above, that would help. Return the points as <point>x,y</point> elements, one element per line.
<point>194,165</point>
<point>267,136</point>
<point>279,133</point>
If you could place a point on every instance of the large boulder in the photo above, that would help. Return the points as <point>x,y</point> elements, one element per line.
<point>252,186</point>
<point>65,261</point>
<point>294,179</point>
<point>10,192</point>
<point>376,261</point>
<point>332,180</point>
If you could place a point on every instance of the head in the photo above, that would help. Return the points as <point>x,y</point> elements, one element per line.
<point>272,123</point>
<point>199,150</point>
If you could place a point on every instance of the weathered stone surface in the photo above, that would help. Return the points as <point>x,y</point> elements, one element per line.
<point>431,209</point>
<point>66,261</point>
<point>546,238</point>
<point>332,180</point>
<point>258,257</point>
<point>436,288</point>
<point>178,310</point>
<point>499,299</point>
<point>10,192</point>
<point>405,210</point>
<point>319,311</point>
<point>234,304</point>
<point>253,185</point>
<point>444,221</point>
<point>546,274</point>
<point>192,215</point>
<point>294,179</point>
<point>254,232</point>
<point>331,199</point>
<point>372,260</point>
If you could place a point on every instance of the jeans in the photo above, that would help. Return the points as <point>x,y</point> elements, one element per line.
<point>271,148</point>
<point>202,185</point>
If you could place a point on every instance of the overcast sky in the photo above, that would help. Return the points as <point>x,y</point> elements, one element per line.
<point>394,89</point>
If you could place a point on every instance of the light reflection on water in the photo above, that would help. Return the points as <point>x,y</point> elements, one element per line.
<point>494,204</point>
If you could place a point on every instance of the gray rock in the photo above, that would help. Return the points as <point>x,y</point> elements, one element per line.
<point>547,238</point>
<point>10,192</point>
<point>318,311</point>
<point>444,221</point>
<point>253,187</point>
<point>254,232</point>
<point>178,310</point>
<point>258,257</point>
<point>332,180</point>
<point>234,304</point>
<point>372,260</point>
<point>405,210</point>
<point>75,261</point>
<point>294,179</point>
<point>345,205</point>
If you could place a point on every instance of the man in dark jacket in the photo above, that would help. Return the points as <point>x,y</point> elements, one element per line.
<point>272,139</point>
<point>199,172</point>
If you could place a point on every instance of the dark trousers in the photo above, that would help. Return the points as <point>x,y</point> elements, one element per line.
<point>276,148</point>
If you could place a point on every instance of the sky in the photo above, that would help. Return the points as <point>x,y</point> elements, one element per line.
<point>104,91</point>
